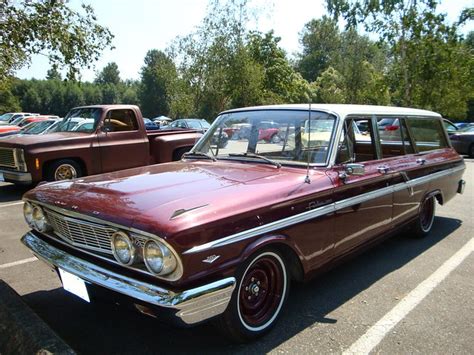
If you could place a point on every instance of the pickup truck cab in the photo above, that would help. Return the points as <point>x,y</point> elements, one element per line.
<point>113,138</point>
<point>222,233</point>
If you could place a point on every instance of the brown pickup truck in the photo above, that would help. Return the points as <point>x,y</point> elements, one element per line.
<point>91,140</point>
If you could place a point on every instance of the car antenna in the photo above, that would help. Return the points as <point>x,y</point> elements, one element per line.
<point>307,179</point>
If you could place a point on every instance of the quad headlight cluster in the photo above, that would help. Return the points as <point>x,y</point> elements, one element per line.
<point>127,249</point>
<point>35,217</point>
<point>158,257</point>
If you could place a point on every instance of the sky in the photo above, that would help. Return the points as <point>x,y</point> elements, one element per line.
<point>141,25</point>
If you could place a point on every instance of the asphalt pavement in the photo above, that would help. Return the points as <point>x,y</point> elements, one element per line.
<point>403,296</point>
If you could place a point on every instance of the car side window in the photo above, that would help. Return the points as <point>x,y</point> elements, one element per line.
<point>394,138</point>
<point>358,142</point>
<point>120,121</point>
<point>427,132</point>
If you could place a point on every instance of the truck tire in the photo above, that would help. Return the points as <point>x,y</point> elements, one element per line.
<point>64,169</point>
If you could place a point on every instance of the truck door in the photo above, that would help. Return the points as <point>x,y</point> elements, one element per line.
<point>122,143</point>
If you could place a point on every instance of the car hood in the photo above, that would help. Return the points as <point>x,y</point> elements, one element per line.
<point>29,140</point>
<point>169,198</point>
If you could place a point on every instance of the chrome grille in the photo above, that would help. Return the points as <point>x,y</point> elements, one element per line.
<point>81,233</point>
<point>7,158</point>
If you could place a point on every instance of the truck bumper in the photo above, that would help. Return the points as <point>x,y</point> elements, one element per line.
<point>16,177</point>
<point>190,306</point>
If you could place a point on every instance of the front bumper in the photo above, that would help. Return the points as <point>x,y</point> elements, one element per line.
<point>190,306</point>
<point>16,177</point>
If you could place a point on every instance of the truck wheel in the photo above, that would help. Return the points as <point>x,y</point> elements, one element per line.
<point>258,298</point>
<point>65,169</point>
<point>422,226</point>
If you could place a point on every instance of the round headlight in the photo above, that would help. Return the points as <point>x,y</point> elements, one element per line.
<point>28,213</point>
<point>123,248</point>
<point>39,220</point>
<point>158,258</point>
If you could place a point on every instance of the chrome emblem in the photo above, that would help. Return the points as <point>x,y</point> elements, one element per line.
<point>211,258</point>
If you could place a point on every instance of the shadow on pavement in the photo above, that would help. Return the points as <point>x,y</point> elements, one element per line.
<point>98,328</point>
<point>11,192</point>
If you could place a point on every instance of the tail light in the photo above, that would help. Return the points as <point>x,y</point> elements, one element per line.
<point>391,128</point>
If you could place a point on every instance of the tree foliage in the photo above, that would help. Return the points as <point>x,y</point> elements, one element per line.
<point>52,28</point>
<point>430,65</point>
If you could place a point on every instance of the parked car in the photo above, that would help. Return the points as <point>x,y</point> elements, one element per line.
<point>116,140</point>
<point>22,122</point>
<point>36,127</point>
<point>463,141</point>
<point>151,125</point>
<point>9,129</point>
<point>9,118</point>
<point>189,123</point>
<point>461,125</point>
<point>222,233</point>
<point>267,131</point>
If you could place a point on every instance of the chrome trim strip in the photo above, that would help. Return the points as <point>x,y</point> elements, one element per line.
<point>320,211</point>
<point>192,306</point>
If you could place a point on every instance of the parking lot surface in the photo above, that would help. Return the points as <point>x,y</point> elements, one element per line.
<point>403,296</point>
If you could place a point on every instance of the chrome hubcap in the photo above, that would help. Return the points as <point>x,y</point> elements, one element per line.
<point>65,172</point>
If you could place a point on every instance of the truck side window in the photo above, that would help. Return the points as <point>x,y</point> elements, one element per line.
<point>428,133</point>
<point>120,121</point>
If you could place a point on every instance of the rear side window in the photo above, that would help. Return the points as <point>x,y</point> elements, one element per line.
<point>428,133</point>
<point>120,121</point>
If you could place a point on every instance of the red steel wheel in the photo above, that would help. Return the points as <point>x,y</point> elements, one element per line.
<point>258,299</point>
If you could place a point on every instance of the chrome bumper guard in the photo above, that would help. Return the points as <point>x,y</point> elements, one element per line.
<point>16,176</point>
<point>191,306</point>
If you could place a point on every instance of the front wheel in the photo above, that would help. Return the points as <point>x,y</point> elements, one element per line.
<point>422,226</point>
<point>258,298</point>
<point>65,169</point>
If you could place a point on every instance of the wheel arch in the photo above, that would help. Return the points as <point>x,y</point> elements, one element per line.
<point>48,163</point>
<point>290,253</point>
<point>438,194</point>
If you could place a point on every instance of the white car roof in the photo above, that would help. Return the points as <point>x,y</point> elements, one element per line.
<point>344,109</point>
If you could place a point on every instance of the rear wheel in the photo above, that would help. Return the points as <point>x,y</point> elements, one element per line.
<point>422,226</point>
<point>261,291</point>
<point>65,169</point>
<point>275,138</point>
<point>471,151</point>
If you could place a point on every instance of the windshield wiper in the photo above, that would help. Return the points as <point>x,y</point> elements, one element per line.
<point>198,155</point>
<point>256,156</point>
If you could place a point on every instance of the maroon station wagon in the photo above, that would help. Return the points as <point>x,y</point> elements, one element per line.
<point>221,233</point>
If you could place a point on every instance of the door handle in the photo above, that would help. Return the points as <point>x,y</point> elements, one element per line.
<point>421,161</point>
<point>383,169</point>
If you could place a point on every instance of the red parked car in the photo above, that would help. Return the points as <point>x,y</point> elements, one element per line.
<point>222,233</point>
<point>5,129</point>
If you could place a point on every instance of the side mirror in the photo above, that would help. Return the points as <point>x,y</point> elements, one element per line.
<point>351,169</point>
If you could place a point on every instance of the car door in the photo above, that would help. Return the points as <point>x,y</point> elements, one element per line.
<point>362,191</point>
<point>122,144</point>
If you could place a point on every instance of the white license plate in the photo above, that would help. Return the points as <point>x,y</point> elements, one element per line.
<point>74,284</point>
<point>1,177</point>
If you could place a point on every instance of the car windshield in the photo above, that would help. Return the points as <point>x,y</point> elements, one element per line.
<point>37,127</point>
<point>78,115</point>
<point>292,138</point>
<point>6,117</point>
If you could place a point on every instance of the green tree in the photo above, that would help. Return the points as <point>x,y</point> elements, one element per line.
<point>158,79</point>
<point>109,75</point>
<point>53,73</point>
<point>8,101</point>
<point>430,67</point>
<point>329,87</point>
<point>67,37</point>
<point>321,41</point>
